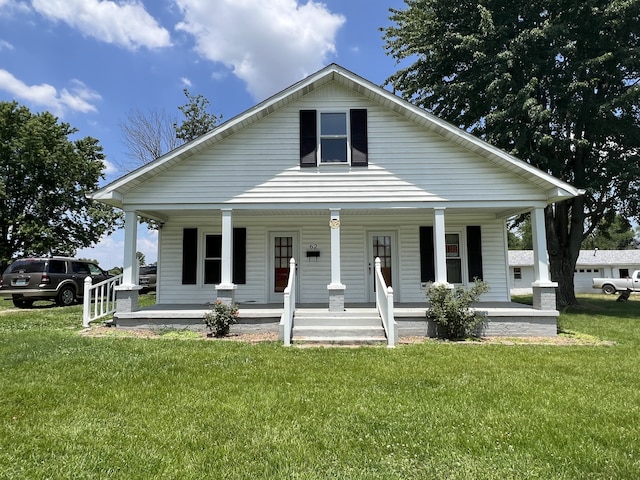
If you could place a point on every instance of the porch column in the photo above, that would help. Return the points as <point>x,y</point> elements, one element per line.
<point>439,246</point>
<point>226,288</point>
<point>544,290</point>
<point>127,292</point>
<point>336,288</point>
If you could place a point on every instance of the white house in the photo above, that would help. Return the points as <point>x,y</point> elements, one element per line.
<point>590,264</point>
<point>335,172</point>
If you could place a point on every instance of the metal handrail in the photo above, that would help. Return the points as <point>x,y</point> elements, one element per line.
<point>384,305</point>
<point>289,304</point>
<point>104,294</point>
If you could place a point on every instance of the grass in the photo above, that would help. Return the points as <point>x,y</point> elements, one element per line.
<point>126,408</point>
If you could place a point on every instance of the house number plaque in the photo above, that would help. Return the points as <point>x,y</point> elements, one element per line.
<point>334,223</point>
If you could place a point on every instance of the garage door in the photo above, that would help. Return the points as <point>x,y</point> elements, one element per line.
<point>582,279</point>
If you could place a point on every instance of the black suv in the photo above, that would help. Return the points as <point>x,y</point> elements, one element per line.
<point>59,279</point>
<point>148,277</point>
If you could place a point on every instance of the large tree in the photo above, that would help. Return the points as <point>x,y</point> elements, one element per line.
<point>44,178</point>
<point>554,82</point>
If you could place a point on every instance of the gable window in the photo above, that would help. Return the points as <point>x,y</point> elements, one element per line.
<point>333,137</point>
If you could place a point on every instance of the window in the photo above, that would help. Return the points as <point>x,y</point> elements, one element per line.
<point>517,273</point>
<point>454,260</point>
<point>624,273</point>
<point>337,137</point>
<point>212,268</point>
<point>80,268</point>
<point>57,266</point>
<point>333,137</point>
<point>454,255</point>
<point>213,259</point>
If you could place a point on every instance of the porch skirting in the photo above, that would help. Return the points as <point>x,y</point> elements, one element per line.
<point>504,319</point>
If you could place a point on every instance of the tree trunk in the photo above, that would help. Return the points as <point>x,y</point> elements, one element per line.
<point>564,222</point>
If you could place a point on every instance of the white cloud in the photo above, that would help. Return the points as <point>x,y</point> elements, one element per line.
<point>269,45</point>
<point>9,6</point>
<point>185,81</point>
<point>109,251</point>
<point>79,98</point>
<point>127,24</point>
<point>4,45</point>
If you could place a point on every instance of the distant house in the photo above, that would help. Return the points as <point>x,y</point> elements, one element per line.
<point>334,172</point>
<point>590,264</point>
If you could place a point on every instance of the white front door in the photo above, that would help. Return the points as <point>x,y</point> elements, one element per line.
<point>282,247</point>
<point>382,246</point>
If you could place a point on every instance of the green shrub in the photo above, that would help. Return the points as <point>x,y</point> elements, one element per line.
<point>450,309</point>
<point>220,317</point>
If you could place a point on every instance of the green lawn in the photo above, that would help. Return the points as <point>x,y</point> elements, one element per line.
<point>73,406</point>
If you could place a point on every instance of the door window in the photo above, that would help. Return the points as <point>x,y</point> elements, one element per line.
<point>382,249</point>
<point>283,252</point>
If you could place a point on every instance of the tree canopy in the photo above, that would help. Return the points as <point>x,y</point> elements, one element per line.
<point>553,82</point>
<point>197,119</point>
<point>150,134</point>
<point>44,178</point>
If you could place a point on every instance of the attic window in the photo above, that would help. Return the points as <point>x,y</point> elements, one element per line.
<point>333,137</point>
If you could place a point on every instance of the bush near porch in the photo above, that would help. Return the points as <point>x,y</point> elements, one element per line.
<point>81,407</point>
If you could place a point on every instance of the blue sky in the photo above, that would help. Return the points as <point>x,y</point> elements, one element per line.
<point>90,62</point>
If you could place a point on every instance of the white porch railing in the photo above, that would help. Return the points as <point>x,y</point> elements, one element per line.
<point>384,305</point>
<point>286,322</point>
<point>104,295</point>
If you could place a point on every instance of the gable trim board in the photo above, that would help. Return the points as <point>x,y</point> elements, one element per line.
<point>392,167</point>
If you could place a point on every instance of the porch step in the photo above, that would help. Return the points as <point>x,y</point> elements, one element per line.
<point>360,326</point>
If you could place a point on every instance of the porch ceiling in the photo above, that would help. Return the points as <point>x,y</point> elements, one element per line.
<point>496,212</point>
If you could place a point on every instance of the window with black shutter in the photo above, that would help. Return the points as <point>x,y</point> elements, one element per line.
<point>212,267</point>
<point>334,137</point>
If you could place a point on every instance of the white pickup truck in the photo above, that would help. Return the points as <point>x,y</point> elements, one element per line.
<point>613,285</point>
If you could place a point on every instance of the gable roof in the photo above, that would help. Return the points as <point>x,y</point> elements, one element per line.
<point>524,258</point>
<point>555,189</point>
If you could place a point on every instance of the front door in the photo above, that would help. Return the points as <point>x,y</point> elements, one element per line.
<point>283,247</point>
<point>381,245</point>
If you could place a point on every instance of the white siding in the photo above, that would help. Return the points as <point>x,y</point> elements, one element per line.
<point>259,165</point>
<point>315,273</point>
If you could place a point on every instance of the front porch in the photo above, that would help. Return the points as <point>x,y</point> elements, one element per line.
<point>504,318</point>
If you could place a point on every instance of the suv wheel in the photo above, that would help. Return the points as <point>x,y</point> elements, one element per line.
<point>22,303</point>
<point>66,296</point>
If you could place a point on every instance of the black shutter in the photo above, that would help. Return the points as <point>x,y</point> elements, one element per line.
<point>427,263</point>
<point>240,255</point>
<point>359,146</point>
<point>308,138</point>
<point>474,252</point>
<point>189,256</point>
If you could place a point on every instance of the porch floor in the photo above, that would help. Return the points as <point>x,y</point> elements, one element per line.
<point>505,318</point>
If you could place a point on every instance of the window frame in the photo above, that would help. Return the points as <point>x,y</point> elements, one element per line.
<point>204,258</point>
<point>459,258</point>
<point>427,265</point>
<point>346,136</point>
